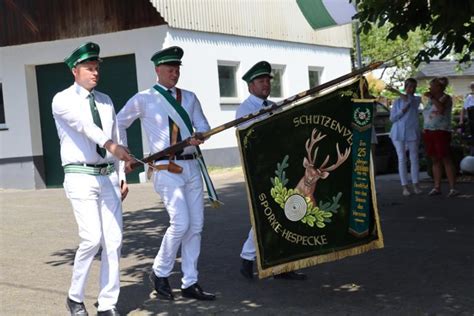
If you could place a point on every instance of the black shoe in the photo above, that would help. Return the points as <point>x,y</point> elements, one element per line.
<point>162,287</point>
<point>247,269</point>
<point>76,308</point>
<point>292,275</point>
<point>195,291</point>
<point>109,312</point>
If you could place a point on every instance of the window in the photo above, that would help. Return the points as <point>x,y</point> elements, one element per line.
<point>227,79</point>
<point>277,81</point>
<point>2,108</point>
<point>314,76</point>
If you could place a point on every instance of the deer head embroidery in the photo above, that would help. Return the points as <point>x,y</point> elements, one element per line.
<point>312,174</point>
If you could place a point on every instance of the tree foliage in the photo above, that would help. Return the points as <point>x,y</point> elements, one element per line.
<point>450,24</point>
<point>375,46</point>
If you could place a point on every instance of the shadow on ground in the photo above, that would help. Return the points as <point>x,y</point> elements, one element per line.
<point>426,267</point>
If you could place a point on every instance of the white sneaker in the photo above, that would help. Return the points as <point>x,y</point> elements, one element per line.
<point>416,189</point>
<point>453,193</point>
<point>405,191</point>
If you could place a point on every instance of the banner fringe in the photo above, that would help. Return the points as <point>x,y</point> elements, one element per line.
<point>308,262</point>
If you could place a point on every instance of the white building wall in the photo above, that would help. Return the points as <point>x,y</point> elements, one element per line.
<point>199,73</point>
<point>23,137</point>
<point>22,140</point>
<point>462,85</point>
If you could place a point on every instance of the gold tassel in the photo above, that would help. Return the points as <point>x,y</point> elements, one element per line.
<point>216,203</point>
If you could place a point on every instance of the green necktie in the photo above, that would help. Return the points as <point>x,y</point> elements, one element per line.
<point>96,118</point>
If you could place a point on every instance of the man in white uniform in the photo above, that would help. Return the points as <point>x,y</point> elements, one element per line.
<point>468,109</point>
<point>169,114</point>
<point>85,120</point>
<point>258,79</point>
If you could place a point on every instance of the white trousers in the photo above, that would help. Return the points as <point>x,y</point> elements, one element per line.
<point>248,249</point>
<point>98,211</point>
<point>401,148</point>
<point>182,195</point>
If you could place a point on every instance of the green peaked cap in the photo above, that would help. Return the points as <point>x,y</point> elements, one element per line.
<point>262,68</point>
<point>86,52</point>
<point>170,55</point>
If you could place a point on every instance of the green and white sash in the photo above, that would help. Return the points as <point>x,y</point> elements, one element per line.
<point>179,115</point>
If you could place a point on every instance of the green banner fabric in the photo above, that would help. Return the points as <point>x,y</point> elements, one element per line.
<point>362,111</point>
<point>301,175</point>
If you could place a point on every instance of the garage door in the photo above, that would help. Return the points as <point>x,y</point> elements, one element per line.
<point>118,80</point>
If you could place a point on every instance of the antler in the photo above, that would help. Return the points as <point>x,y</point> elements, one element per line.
<point>340,159</point>
<point>310,143</point>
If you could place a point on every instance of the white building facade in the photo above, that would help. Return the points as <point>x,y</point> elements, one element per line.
<point>213,64</point>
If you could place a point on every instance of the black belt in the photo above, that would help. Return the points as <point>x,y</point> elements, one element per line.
<point>103,165</point>
<point>178,157</point>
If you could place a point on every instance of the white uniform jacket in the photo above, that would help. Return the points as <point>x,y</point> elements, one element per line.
<point>251,105</point>
<point>78,135</point>
<point>149,107</point>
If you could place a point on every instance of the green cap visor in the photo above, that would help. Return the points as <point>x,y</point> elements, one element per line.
<point>260,69</point>
<point>86,52</point>
<point>171,55</point>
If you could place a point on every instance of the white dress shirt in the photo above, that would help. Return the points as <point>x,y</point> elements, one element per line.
<point>251,105</point>
<point>406,126</point>
<point>77,132</point>
<point>149,107</point>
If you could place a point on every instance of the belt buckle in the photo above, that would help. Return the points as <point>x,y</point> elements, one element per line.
<point>103,171</point>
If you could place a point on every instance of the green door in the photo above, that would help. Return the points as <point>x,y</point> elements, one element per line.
<point>118,79</point>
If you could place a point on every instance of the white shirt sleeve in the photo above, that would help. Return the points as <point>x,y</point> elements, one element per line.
<point>127,115</point>
<point>241,111</point>
<point>199,121</point>
<point>396,112</point>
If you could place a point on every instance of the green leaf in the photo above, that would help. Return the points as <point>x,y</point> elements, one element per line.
<point>324,206</point>
<point>320,224</point>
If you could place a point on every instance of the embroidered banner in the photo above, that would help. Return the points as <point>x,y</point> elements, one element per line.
<point>299,166</point>
<point>361,136</point>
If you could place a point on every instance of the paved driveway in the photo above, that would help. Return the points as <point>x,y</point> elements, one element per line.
<point>426,267</point>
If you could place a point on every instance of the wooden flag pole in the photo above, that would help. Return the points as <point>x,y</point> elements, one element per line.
<point>185,143</point>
